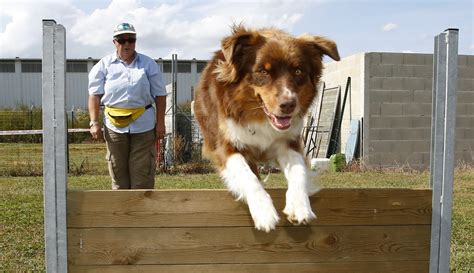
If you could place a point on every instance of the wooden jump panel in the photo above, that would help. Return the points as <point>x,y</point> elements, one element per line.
<point>180,208</point>
<point>340,267</point>
<point>357,230</point>
<point>233,245</point>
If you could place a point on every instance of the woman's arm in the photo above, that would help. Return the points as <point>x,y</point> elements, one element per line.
<point>95,129</point>
<point>160,102</point>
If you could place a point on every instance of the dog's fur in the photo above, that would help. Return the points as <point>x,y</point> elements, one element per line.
<point>250,105</point>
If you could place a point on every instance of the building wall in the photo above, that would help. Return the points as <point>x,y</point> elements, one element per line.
<point>397,90</point>
<point>336,74</point>
<point>76,90</point>
<point>465,110</point>
<point>24,88</point>
<point>10,84</point>
<point>399,97</point>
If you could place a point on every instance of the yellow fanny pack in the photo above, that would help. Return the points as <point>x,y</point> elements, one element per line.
<point>121,117</point>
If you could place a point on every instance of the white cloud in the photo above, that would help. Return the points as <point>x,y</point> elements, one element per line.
<point>389,27</point>
<point>193,30</point>
<point>22,32</point>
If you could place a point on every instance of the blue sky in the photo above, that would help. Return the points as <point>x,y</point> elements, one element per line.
<point>193,29</point>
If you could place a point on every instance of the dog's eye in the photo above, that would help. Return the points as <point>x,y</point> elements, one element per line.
<point>263,71</point>
<point>298,72</point>
<point>261,77</point>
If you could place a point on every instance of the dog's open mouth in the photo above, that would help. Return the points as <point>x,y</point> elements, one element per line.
<point>279,122</point>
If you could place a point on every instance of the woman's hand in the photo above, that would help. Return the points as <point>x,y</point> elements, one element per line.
<point>96,131</point>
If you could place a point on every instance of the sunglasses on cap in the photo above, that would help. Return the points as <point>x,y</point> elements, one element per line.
<point>129,40</point>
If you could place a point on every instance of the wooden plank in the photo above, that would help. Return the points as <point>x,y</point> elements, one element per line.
<point>177,208</point>
<point>340,267</point>
<point>108,246</point>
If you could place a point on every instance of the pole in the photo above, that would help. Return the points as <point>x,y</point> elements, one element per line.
<point>445,63</point>
<point>174,79</point>
<point>54,145</point>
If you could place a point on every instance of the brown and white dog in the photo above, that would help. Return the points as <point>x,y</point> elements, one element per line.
<point>250,105</point>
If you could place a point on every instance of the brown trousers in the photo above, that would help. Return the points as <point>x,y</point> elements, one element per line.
<point>131,159</point>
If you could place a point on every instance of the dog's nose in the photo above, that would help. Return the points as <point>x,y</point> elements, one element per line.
<point>288,107</point>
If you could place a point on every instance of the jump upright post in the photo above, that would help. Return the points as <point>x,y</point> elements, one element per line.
<point>54,145</point>
<point>443,121</point>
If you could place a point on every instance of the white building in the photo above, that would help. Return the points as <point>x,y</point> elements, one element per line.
<point>20,80</point>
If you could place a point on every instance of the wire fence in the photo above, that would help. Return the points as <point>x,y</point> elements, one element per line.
<point>185,145</point>
<point>29,120</point>
<point>24,125</point>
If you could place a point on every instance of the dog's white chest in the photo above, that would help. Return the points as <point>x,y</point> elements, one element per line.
<point>258,135</point>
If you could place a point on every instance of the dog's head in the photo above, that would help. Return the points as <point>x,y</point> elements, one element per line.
<point>281,70</point>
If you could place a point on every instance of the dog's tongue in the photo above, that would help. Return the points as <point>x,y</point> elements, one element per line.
<point>281,123</point>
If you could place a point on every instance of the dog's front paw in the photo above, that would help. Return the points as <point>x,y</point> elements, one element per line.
<point>298,208</point>
<point>264,214</point>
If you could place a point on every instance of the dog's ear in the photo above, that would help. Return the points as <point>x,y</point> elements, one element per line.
<point>239,50</point>
<point>324,45</point>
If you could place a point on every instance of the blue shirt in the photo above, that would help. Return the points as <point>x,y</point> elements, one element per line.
<point>123,85</point>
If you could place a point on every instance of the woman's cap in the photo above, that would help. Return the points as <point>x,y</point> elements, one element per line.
<point>124,28</point>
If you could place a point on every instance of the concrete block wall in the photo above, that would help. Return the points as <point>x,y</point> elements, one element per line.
<point>465,109</point>
<point>397,94</point>
<point>399,118</point>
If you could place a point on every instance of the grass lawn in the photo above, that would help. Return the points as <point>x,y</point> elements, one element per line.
<point>21,199</point>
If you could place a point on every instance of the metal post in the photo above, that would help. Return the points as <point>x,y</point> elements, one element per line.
<point>54,145</point>
<point>174,80</point>
<point>31,117</point>
<point>445,63</point>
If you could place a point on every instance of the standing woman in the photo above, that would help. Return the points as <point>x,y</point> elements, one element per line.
<point>128,83</point>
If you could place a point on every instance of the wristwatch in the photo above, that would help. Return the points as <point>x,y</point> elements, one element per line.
<point>93,123</point>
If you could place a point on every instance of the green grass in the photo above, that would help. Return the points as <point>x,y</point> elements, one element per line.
<point>26,159</point>
<point>21,199</point>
